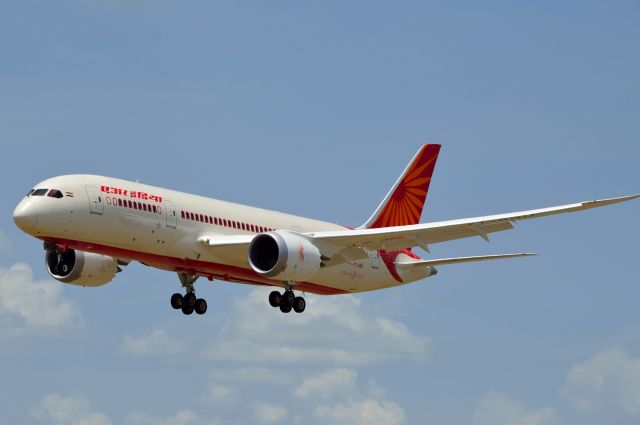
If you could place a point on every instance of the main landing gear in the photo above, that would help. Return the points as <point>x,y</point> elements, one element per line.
<point>188,303</point>
<point>287,301</point>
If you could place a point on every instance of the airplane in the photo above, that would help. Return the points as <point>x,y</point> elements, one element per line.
<point>92,226</point>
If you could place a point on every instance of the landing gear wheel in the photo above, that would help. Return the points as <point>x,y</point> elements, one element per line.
<point>187,309</point>
<point>299,304</point>
<point>201,306</point>
<point>177,300</point>
<point>274,299</point>
<point>285,308</point>
<point>288,298</point>
<point>190,300</point>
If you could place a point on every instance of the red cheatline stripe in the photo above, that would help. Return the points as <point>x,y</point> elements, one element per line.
<point>205,268</point>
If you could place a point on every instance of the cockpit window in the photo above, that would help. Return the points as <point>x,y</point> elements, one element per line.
<point>55,193</point>
<point>39,192</point>
<point>30,192</point>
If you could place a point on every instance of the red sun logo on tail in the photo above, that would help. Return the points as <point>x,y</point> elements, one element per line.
<point>407,200</point>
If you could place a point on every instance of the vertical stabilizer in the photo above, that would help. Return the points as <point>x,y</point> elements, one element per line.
<point>404,202</point>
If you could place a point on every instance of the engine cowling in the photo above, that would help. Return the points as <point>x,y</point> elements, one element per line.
<point>284,255</point>
<point>80,268</point>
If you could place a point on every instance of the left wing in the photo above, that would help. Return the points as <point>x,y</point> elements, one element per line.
<point>423,235</point>
<point>351,245</point>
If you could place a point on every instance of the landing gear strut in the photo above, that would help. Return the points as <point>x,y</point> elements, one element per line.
<point>188,303</point>
<point>287,301</point>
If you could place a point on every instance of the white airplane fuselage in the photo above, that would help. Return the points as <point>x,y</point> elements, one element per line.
<point>160,228</point>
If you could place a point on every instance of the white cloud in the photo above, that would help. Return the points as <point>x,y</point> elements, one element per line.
<point>39,304</point>
<point>252,375</point>
<point>364,412</point>
<point>343,401</point>
<point>610,379</point>
<point>74,409</point>
<point>328,384</point>
<point>497,408</point>
<point>333,330</point>
<point>269,413</point>
<point>156,343</point>
<point>222,393</point>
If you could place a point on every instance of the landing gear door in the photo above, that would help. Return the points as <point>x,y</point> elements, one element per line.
<point>96,205</point>
<point>172,217</point>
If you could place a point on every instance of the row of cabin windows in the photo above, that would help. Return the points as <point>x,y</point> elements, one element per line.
<point>224,222</point>
<point>128,203</point>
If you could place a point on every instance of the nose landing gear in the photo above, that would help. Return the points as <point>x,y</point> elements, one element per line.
<point>188,303</point>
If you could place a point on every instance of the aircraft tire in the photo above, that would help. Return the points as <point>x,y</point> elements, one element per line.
<point>201,306</point>
<point>187,309</point>
<point>190,299</point>
<point>299,304</point>
<point>177,301</point>
<point>288,298</point>
<point>285,308</point>
<point>274,299</point>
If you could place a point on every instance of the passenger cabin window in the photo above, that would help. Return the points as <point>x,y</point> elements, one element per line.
<point>39,192</point>
<point>55,193</point>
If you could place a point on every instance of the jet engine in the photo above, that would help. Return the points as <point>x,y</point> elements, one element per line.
<point>80,268</point>
<point>284,255</point>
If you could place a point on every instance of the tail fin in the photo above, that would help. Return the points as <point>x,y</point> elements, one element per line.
<point>404,202</point>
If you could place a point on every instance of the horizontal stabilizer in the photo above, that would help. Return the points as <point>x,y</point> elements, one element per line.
<point>442,261</point>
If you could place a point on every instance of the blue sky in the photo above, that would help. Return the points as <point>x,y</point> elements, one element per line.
<point>314,108</point>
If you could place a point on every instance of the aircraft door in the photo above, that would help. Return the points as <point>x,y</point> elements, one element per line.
<point>95,200</point>
<point>172,216</point>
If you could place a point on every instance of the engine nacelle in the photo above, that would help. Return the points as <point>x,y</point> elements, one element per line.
<point>80,268</point>
<point>284,255</point>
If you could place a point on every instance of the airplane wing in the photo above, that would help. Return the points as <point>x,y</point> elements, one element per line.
<point>423,235</point>
<point>353,244</point>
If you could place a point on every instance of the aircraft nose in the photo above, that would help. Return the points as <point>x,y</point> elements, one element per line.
<point>25,215</point>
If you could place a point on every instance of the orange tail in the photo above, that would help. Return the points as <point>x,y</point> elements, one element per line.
<point>404,202</point>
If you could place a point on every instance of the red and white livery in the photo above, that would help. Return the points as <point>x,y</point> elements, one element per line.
<point>92,225</point>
